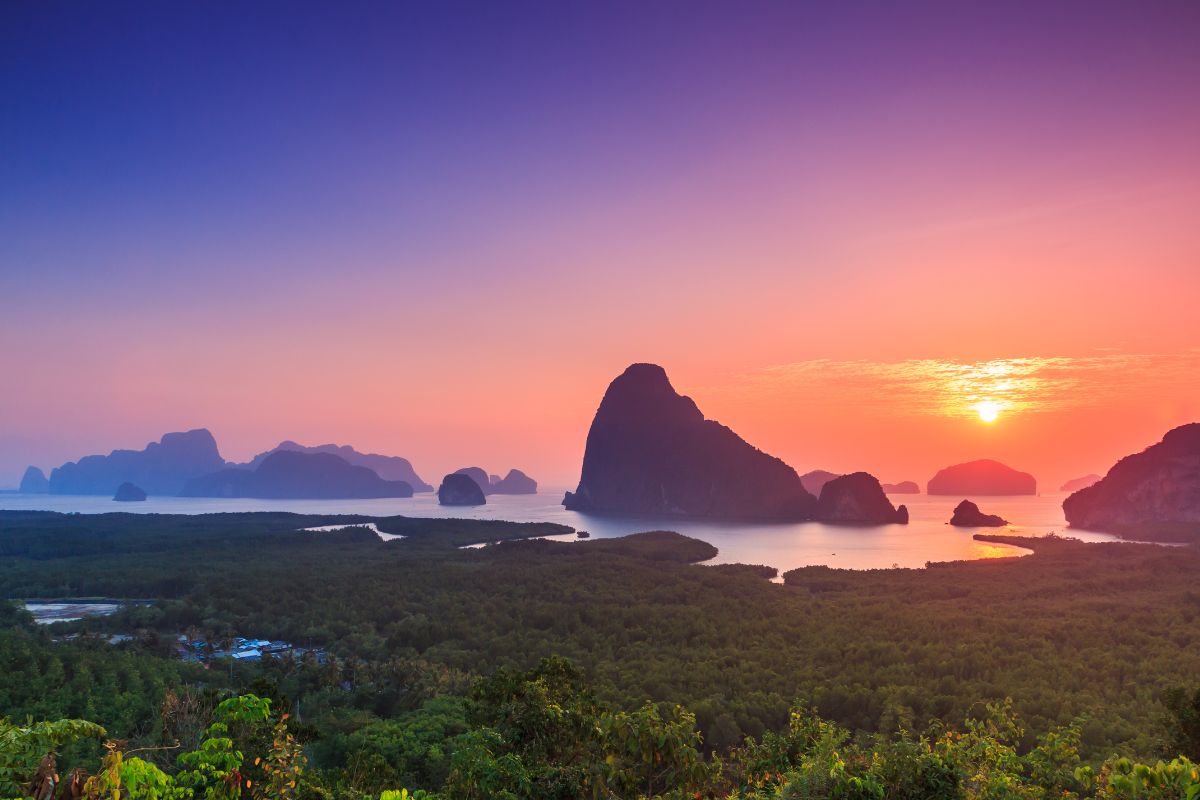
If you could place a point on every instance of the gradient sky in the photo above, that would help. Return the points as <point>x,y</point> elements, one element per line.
<point>439,229</point>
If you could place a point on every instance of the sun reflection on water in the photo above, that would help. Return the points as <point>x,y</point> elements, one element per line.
<point>983,550</point>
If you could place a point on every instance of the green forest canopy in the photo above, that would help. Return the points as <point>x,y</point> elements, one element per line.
<point>1098,632</point>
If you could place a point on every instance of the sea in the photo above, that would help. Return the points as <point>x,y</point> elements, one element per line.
<point>927,538</point>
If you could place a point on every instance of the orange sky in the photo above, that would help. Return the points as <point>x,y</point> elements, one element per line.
<point>508,370</point>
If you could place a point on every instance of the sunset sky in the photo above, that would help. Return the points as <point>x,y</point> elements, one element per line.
<point>439,230</point>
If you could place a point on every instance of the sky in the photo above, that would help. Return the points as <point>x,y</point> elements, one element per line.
<point>439,230</point>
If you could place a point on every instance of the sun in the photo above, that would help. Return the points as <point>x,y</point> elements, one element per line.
<point>988,410</point>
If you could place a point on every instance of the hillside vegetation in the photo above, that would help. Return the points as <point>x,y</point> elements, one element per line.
<point>1085,640</point>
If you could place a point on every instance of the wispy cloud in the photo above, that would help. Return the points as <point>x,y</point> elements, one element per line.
<point>955,388</point>
<point>1041,211</point>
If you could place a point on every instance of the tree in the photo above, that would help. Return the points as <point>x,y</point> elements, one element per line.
<point>1183,723</point>
<point>24,747</point>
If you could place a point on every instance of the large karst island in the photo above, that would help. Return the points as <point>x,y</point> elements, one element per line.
<point>651,452</point>
<point>1153,494</point>
<point>983,477</point>
<point>390,468</point>
<point>162,468</point>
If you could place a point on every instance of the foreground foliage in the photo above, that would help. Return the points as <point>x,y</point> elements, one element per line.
<point>542,735</point>
<point>1095,633</point>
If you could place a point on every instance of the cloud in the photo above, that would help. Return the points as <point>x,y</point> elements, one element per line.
<point>948,388</point>
<point>1038,212</point>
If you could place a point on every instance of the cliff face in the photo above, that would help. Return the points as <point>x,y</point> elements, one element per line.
<point>1158,486</point>
<point>288,475</point>
<point>34,481</point>
<point>651,452</point>
<point>857,498</point>
<point>460,489</point>
<point>161,469</point>
<point>390,468</point>
<point>983,477</point>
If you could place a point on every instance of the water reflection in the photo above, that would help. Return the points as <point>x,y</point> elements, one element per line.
<point>785,546</point>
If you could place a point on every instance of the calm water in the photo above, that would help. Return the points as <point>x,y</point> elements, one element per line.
<point>927,537</point>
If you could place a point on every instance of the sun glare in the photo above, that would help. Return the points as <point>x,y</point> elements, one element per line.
<point>988,410</point>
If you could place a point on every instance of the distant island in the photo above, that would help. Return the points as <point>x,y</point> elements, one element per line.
<point>1154,494</point>
<point>162,468</point>
<point>189,464</point>
<point>815,480</point>
<point>390,468</point>
<point>477,474</point>
<point>967,515</point>
<point>460,489</point>
<point>34,481</point>
<point>515,482</point>
<point>1075,484</point>
<point>857,498</point>
<point>129,493</point>
<point>292,475</point>
<point>983,477</point>
<point>650,451</point>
